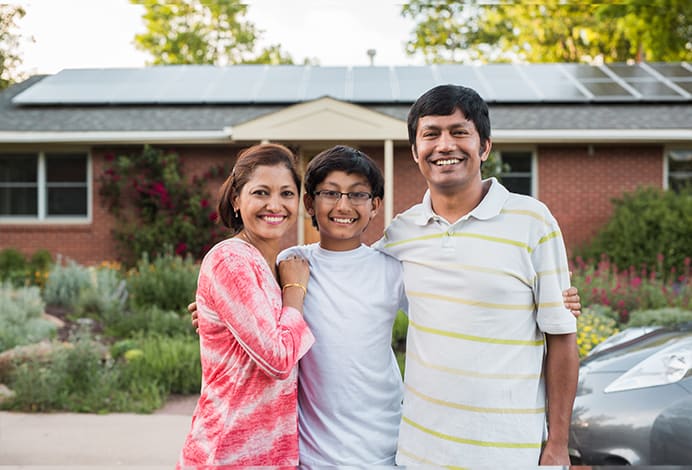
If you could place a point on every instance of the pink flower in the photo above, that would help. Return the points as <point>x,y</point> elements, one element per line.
<point>213,216</point>
<point>636,282</point>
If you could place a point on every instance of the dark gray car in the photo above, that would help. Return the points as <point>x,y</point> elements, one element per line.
<point>634,401</point>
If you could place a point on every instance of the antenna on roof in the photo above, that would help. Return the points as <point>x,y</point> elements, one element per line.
<point>371,53</point>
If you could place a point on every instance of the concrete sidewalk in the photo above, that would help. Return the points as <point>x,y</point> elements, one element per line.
<point>66,440</point>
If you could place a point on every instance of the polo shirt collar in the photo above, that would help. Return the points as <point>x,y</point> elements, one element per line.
<point>490,206</point>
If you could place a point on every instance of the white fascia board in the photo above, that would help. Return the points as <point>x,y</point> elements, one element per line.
<point>538,136</point>
<point>119,137</point>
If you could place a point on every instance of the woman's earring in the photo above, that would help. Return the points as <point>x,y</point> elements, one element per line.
<point>237,213</point>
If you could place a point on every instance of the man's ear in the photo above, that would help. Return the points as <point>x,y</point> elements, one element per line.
<point>414,153</point>
<point>376,204</point>
<point>486,151</point>
<point>309,203</point>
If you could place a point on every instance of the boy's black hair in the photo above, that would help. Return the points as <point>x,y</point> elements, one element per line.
<point>346,159</point>
<point>443,100</point>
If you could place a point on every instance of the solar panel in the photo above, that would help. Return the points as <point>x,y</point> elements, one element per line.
<point>191,84</point>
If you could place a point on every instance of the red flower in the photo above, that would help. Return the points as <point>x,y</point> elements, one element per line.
<point>213,216</point>
<point>181,248</point>
<point>204,203</point>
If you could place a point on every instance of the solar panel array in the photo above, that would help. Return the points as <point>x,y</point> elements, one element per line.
<point>245,84</point>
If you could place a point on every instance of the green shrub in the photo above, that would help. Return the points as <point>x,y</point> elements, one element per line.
<point>172,364</point>
<point>659,317</point>
<point>594,325</point>
<point>13,266</point>
<point>650,228</point>
<point>65,283</point>
<point>168,282</point>
<point>146,320</point>
<point>399,331</point>
<point>21,320</point>
<point>40,265</point>
<point>106,293</point>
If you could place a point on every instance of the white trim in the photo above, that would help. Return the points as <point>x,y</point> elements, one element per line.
<point>388,181</point>
<point>119,137</point>
<point>568,136</point>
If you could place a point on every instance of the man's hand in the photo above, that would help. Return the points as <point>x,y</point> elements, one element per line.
<point>554,454</point>
<point>192,308</point>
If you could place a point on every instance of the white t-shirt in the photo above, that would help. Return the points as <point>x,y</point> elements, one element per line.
<point>349,384</point>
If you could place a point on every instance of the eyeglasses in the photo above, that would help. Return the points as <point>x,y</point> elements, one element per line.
<point>355,197</point>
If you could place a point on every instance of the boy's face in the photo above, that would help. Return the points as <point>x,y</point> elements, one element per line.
<point>342,222</point>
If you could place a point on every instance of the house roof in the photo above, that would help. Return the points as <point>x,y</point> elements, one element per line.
<point>25,119</point>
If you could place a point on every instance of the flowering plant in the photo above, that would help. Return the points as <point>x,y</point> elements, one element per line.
<point>155,206</point>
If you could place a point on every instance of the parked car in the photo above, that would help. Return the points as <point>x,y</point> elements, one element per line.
<point>634,400</point>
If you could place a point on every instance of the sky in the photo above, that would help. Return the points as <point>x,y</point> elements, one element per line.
<point>100,33</point>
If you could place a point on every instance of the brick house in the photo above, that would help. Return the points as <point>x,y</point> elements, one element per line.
<point>574,135</point>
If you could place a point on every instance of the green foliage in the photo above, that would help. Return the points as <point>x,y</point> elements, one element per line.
<point>106,293</point>
<point>146,320</point>
<point>10,58</point>
<point>594,325</point>
<point>168,282</point>
<point>650,228</point>
<point>399,331</point>
<point>171,364</point>
<point>659,317</point>
<point>21,320</point>
<point>550,31</point>
<point>156,207</point>
<point>65,283</point>
<point>630,289</point>
<point>209,32</point>
<point>15,268</point>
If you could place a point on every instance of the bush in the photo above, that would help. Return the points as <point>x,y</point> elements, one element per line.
<point>146,320</point>
<point>630,289</point>
<point>13,266</point>
<point>105,294</point>
<point>171,364</point>
<point>659,317</point>
<point>168,282</point>
<point>22,319</point>
<point>65,284</point>
<point>649,228</point>
<point>155,206</point>
<point>594,325</point>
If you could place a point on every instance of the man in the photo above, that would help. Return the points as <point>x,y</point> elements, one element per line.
<point>488,334</point>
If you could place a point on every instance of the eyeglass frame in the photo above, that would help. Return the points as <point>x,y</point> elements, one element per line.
<point>351,199</point>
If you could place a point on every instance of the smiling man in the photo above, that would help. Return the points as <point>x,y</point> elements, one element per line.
<point>490,347</point>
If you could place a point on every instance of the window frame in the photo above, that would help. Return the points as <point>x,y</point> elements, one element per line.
<point>667,150</point>
<point>500,149</point>
<point>41,217</point>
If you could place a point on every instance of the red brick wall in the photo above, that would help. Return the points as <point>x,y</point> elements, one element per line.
<point>575,185</point>
<point>578,186</point>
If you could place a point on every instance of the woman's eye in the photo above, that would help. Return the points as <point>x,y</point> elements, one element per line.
<point>288,194</point>
<point>260,192</point>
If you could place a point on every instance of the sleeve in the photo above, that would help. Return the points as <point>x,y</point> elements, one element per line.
<point>549,259</point>
<point>275,341</point>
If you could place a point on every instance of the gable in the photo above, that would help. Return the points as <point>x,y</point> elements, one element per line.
<point>322,119</point>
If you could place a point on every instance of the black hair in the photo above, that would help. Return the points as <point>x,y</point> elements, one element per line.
<point>346,159</point>
<point>248,160</point>
<point>443,100</point>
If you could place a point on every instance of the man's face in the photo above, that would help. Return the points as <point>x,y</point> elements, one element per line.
<point>448,151</point>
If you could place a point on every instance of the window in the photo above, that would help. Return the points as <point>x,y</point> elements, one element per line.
<point>518,174</point>
<point>44,186</point>
<point>679,168</point>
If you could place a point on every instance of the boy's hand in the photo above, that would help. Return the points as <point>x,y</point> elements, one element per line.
<point>192,308</point>
<point>571,299</point>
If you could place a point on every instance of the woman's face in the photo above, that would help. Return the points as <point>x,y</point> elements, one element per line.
<point>268,203</point>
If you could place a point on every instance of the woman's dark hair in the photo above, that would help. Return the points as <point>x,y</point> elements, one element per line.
<point>443,100</point>
<point>248,160</point>
<point>346,159</point>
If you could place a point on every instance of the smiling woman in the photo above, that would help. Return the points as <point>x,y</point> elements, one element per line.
<point>251,329</point>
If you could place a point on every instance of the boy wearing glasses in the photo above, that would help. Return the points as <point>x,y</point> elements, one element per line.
<point>349,384</point>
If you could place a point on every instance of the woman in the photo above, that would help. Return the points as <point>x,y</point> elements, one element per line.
<point>251,328</point>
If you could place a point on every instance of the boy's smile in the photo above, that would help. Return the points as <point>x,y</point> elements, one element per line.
<point>341,222</point>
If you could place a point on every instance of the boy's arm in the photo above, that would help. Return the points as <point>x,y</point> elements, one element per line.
<point>561,372</point>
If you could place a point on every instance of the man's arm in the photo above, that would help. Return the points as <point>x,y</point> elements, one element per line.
<point>561,373</point>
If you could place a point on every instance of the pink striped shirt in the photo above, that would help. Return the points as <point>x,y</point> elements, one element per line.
<point>250,346</point>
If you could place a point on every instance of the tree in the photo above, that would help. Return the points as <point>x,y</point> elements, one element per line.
<point>550,31</point>
<point>208,32</point>
<point>9,44</point>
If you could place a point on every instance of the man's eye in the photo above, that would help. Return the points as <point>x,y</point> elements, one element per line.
<point>331,194</point>
<point>358,195</point>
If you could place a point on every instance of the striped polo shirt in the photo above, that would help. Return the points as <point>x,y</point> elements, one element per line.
<point>482,292</point>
